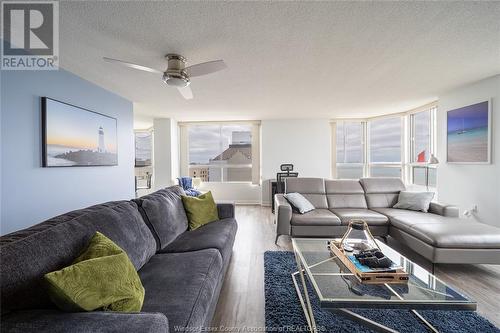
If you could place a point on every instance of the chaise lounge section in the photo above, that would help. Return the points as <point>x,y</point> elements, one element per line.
<point>439,235</point>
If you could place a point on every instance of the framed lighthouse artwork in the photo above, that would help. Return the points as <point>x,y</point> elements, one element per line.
<point>73,136</point>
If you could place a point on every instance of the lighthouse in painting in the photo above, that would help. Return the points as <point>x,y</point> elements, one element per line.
<point>100,148</point>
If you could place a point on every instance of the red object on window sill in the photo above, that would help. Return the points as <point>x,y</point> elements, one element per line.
<point>421,156</point>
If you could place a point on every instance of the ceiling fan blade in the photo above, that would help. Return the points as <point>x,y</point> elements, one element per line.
<point>186,92</point>
<point>206,68</point>
<point>132,65</point>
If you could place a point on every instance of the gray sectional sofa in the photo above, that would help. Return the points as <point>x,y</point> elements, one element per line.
<point>439,235</point>
<point>182,271</point>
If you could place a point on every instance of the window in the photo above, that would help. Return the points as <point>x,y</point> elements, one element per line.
<point>385,147</point>
<point>421,130</point>
<point>422,126</point>
<point>350,149</point>
<point>392,146</point>
<point>220,152</point>
<point>419,175</point>
<point>385,171</point>
<point>385,140</point>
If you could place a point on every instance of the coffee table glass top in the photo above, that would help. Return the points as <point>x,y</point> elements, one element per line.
<point>336,287</point>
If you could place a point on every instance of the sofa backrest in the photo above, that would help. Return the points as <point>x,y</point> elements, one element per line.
<point>27,255</point>
<point>313,189</point>
<point>345,194</point>
<point>164,214</point>
<point>382,192</point>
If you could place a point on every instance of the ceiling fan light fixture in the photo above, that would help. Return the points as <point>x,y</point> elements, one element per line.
<point>178,80</point>
<point>177,74</point>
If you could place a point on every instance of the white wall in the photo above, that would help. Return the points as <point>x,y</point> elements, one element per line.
<point>166,159</point>
<point>30,193</point>
<point>142,122</point>
<point>303,142</point>
<point>240,193</point>
<point>466,185</point>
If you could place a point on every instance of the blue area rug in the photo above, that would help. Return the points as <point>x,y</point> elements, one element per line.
<point>284,312</point>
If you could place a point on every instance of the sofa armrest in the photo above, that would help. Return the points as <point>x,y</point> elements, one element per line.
<point>283,212</point>
<point>443,209</point>
<point>225,210</point>
<point>51,321</point>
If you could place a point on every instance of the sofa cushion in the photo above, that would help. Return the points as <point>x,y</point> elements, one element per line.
<point>200,210</point>
<point>102,277</point>
<point>298,201</point>
<point>342,193</point>
<point>418,201</point>
<point>406,219</point>
<point>182,286</point>
<point>164,214</point>
<point>216,235</point>
<point>459,233</point>
<point>28,254</point>
<point>313,189</point>
<point>382,192</point>
<point>371,217</point>
<point>443,232</point>
<point>315,217</point>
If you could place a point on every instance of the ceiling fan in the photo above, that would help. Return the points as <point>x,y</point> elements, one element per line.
<point>177,74</point>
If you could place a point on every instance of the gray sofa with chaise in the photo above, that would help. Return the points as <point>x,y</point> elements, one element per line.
<point>182,271</point>
<point>439,235</point>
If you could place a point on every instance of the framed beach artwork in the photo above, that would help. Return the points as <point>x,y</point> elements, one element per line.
<point>469,134</point>
<point>75,137</point>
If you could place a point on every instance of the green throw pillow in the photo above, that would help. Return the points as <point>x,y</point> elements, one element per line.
<point>102,277</point>
<point>200,210</point>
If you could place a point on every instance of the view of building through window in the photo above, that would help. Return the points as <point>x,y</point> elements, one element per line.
<point>220,153</point>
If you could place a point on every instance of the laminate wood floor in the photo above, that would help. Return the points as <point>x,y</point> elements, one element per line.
<point>241,303</point>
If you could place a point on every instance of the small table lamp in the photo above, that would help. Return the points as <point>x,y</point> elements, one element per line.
<point>433,160</point>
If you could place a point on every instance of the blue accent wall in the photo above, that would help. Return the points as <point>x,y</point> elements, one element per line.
<point>29,193</point>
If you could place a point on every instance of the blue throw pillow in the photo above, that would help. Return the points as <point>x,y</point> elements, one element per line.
<point>298,201</point>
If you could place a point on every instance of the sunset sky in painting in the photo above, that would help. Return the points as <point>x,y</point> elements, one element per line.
<point>76,128</point>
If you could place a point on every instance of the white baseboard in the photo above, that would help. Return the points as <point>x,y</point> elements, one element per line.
<point>246,203</point>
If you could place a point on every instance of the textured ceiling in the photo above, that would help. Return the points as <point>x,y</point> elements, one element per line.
<point>285,59</point>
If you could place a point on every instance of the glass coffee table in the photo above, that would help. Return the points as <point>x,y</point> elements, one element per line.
<point>339,290</point>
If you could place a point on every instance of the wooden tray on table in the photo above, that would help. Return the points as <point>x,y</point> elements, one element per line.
<point>367,275</point>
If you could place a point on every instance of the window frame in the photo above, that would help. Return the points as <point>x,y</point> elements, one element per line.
<point>363,146</point>
<point>412,164</point>
<point>254,166</point>
<point>371,164</point>
<point>407,143</point>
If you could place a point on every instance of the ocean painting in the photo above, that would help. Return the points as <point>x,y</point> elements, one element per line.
<point>468,134</point>
<point>77,137</point>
